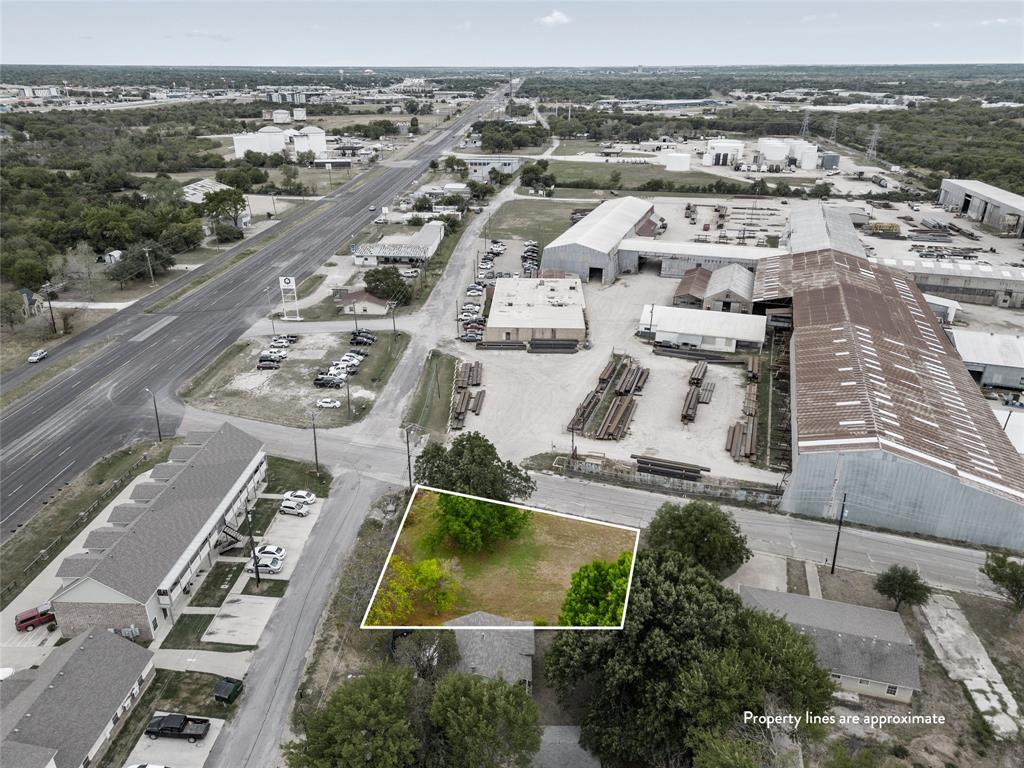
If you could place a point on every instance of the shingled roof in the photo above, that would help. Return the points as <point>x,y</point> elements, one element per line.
<point>494,653</point>
<point>849,639</point>
<point>61,708</point>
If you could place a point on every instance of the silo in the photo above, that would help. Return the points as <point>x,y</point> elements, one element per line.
<point>299,113</point>
<point>808,158</point>
<point>772,150</point>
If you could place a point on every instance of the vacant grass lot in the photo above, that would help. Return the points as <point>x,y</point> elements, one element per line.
<point>541,220</point>
<point>575,146</point>
<point>169,691</point>
<point>633,174</point>
<point>188,631</point>
<point>216,585</point>
<point>287,396</point>
<point>69,511</point>
<point>285,475</point>
<point>525,578</point>
<point>431,402</point>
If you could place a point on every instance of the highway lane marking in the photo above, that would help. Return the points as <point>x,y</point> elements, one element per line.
<point>163,322</point>
<point>64,451</point>
<point>41,489</point>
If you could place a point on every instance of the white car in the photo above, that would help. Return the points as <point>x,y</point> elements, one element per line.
<point>474,293</point>
<point>265,564</point>
<point>279,353</point>
<point>36,356</point>
<point>327,402</point>
<point>271,550</point>
<point>373,207</point>
<point>306,497</point>
<point>410,273</point>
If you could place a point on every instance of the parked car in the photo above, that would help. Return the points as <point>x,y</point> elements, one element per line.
<point>267,365</point>
<point>361,340</point>
<point>178,727</point>
<point>36,356</point>
<point>327,402</point>
<point>328,382</point>
<point>28,620</point>
<point>266,564</point>
<point>373,207</point>
<point>271,550</point>
<point>471,337</point>
<point>474,293</point>
<point>277,352</point>
<point>360,352</point>
<point>306,497</point>
<point>279,344</point>
<point>293,508</point>
<point>410,273</point>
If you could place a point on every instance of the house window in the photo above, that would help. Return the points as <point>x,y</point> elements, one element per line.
<point>85,763</point>
<point>117,716</point>
<point>862,682</point>
<point>155,622</point>
<point>891,690</point>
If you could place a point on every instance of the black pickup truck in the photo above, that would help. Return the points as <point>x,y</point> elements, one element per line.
<point>178,727</point>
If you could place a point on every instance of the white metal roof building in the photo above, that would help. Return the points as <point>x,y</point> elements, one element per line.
<point>995,359</point>
<point>197,191</point>
<point>523,309</point>
<point>700,329</point>
<point>591,247</point>
<point>677,257</point>
<point>965,281</point>
<point>993,207</point>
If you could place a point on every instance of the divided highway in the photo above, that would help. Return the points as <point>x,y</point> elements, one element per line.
<point>100,404</point>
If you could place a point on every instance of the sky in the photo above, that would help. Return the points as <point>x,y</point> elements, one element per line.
<point>510,34</point>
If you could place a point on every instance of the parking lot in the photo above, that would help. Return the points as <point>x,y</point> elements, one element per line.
<point>176,753</point>
<point>290,532</point>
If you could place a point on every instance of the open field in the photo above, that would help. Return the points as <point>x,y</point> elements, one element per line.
<point>633,174</point>
<point>287,396</point>
<point>537,150</point>
<point>539,220</point>
<point>328,122</point>
<point>285,475</point>
<point>524,578</point>
<point>71,510</point>
<point>431,401</point>
<point>576,146</point>
<point>170,691</point>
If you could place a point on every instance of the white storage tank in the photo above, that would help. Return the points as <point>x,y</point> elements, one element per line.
<point>273,139</point>
<point>772,150</point>
<point>808,159</point>
<point>299,113</point>
<point>316,137</point>
<point>677,161</point>
<point>248,142</point>
<point>281,116</point>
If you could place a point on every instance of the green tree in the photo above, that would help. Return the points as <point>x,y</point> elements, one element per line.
<point>700,530</point>
<point>414,126</point>
<point>431,654</point>
<point>472,524</point>
<point>1008,577</point>
<point>224,204</point>
<point>472,465</point>
<point>438,583</point>
<point>183,236</point>
<point>597,594</point>
<point>902,585</point>
<point>366,722</point>
<point>227,233</point>
<point>396,596</point>
<point>387,283</point>
<point>615,180</point>
<point>10,309</point>
<point>689,661</point>
<point>28,273</point>
<point>485,723</point>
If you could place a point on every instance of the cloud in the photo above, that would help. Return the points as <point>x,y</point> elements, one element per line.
<point>1000,22</point>
<point>554,19</point>
<point>464,25</point>
<point>818,17</point>
<point>205,34</point>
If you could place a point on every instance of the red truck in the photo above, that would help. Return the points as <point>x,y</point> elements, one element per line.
<point>26,621</point>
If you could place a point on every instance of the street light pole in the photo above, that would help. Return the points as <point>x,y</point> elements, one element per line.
<point>316,453</point>
<point>252,546</point>
<point>156,414</point>
<point>839,530</point>
<point>149,265</point>
<point>408,452</point>
<point>270,304</point>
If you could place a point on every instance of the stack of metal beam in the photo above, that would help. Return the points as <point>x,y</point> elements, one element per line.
<point>700,370</point>
<point>584,411</point>
<point>632,379</point>
<point>753,368</point>
<point>616,420</point>
<point>466,375</point>
<point>654,466</point>
<point>689,413</point>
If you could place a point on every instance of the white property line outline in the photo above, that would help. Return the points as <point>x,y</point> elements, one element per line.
<point>530,627</point>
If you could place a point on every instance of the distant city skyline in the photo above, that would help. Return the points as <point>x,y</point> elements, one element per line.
<point>507,34</point>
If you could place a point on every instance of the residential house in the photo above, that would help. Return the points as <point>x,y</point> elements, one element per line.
<point>495,653</point>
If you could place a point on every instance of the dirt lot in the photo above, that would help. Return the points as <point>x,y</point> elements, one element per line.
<point>287,396</point>
<point>959,741</point>
<point>524,578</point>
<point>539,220</point>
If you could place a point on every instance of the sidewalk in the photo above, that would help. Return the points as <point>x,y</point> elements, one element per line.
<point>118,305</point>
<point>228,664</point>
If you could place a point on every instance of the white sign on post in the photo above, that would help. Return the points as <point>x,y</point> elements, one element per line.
<point>289,298</point>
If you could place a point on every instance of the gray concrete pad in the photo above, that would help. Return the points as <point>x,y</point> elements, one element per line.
<point>241,620</point>
<point>290,532</point>
<point>175,752</point>
<point>763,571</point>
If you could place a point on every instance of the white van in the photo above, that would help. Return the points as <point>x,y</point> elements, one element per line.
<point>289,507</point>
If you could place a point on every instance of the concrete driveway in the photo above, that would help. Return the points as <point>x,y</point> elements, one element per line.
<point>291,532</point>
<point>175,752</point>
<point>240,620</point>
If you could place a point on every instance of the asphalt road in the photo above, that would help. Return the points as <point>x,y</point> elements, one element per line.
<point>100,404</point>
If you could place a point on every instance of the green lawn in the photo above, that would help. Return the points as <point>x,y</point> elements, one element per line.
<point>169,691</point>
<point>308,286</point>
<point>262,514</point>
<point>73,508</point>
<point>431,402</point>
<point>633,175</point>
<point>188,631</point>
<point>216,585</point>
<point>524,578</point>
<point>541,220</point>
<point>266,588</point>
<point>285,475</point>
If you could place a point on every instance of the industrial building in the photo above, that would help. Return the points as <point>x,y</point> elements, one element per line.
<point>65,712</point>
<point>524,309</point>
<point>995,208</point>
<point>136,572</point>
<point>349,302</point>
<point>994,359</point>
<point>677,161</point>
<point>698,329</point>
<point>416,248</point>
<point>723,152</point>
<point>676,257</point>
<point>270,139</point>
<point>884,414</point>
<point>590,248</point>
<point>867,651</point>
<point>965,281</point>
<point>480,167</point>
<point>944,309</point>
<point>691,289</point>
<point>727,289</point>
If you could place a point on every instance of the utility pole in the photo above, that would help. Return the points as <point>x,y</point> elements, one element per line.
<point>839,530</point>
<point>408,456</point>
<point>805,125</point>
<point>149,265</point>
<point>572,432</point>
<point>270,304</point>
<point>252,546</point>
<point>48,292</point>
<point>156,413</point>
<point>348,396</point>
<point>835,129</point>
<point>316,453</point>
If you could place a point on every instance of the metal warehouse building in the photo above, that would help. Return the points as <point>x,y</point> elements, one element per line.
<point>991,206</point>
<point>701,329</point>
<point>964,281</point>
<point>994,359</point>
<point>590,248</point>
<point>884,412</point>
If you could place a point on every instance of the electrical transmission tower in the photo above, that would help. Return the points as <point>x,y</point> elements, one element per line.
<point>835,129</point>
<point>805,125</point>
<point>873,142</point>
